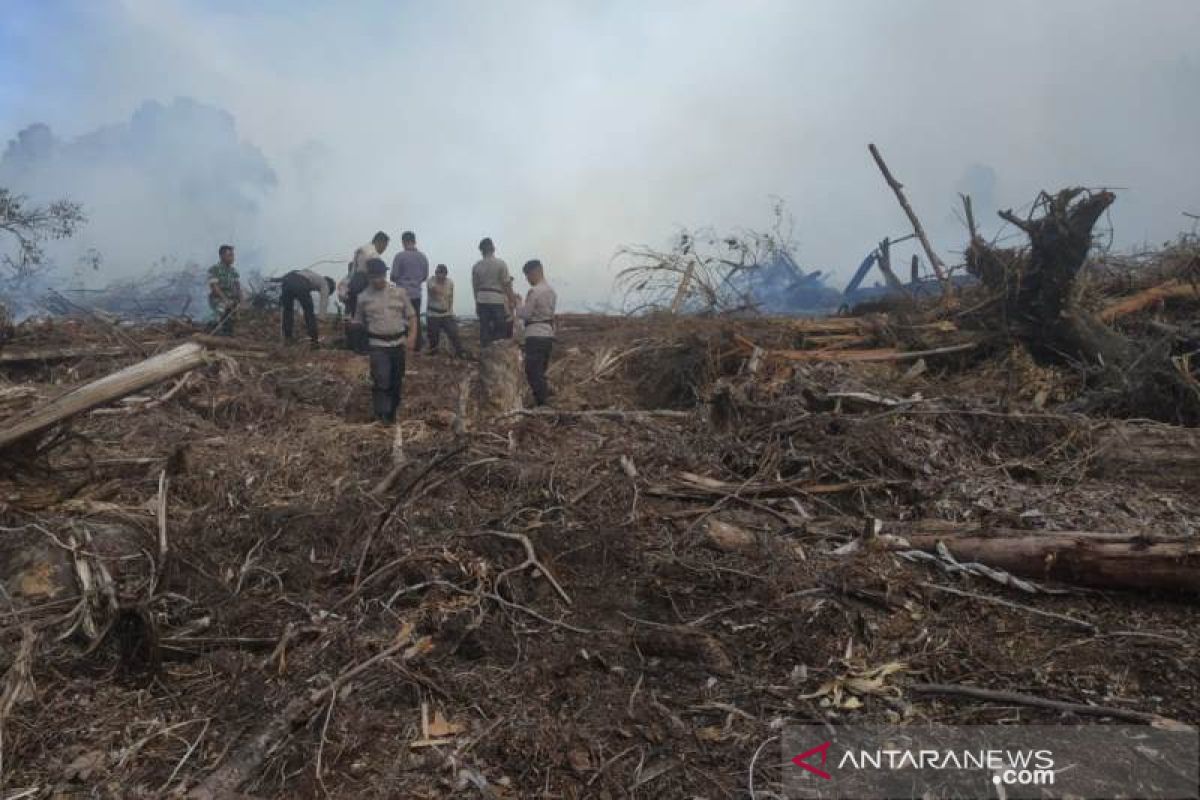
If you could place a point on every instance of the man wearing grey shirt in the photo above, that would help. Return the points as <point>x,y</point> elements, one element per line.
<point>410,269</point>
<point>493,294</point>
<point>537,312</point>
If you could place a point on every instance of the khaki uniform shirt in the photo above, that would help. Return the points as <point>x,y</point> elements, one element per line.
<point>491,280</point>
<point>386,314</point>
<point>538,311</point>
<point>441,298</point>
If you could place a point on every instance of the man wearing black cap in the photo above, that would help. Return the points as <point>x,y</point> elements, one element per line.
<point>387,318</point>
<point>297,287</point>
<point>493,294</point>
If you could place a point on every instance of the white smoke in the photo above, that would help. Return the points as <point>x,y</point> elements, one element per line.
<point>564,130</point>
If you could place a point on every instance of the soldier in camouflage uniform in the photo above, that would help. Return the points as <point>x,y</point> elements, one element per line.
<point>224,290</point>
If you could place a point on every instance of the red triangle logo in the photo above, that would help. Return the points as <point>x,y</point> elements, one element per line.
<point>801,760</point>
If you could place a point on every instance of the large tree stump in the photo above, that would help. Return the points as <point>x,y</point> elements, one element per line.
<point>498,387</point>
<point>37,564</point>
<point>1039,306</point>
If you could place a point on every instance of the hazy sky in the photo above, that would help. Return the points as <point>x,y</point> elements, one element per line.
<point>565,129</point>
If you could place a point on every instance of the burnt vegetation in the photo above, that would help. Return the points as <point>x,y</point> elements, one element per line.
<point>974,506</point>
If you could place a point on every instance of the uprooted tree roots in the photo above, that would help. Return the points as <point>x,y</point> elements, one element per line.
<point>1037,302</point>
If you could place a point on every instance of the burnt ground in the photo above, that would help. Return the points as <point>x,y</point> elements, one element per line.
<point>662,667</point>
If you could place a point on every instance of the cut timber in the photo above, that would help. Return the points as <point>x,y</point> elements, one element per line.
<point>1166,456</point>
<point>112,387</point>
<point>1110,561</point>
<point>14,355</point>
<point>499,387</point>
<point>1148,297</point>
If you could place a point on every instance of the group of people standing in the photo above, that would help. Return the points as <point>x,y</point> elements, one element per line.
<point>384,310</point>
<point>385,313</point>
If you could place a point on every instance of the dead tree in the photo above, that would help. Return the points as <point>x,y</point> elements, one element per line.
<point>1038,303</point>
<point>935,261</point>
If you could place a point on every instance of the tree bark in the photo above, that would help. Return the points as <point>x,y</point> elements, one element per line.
<point>498,391</point>
<point>1173,288</point>
<point>1102,560</point>
<point>1162,456</point>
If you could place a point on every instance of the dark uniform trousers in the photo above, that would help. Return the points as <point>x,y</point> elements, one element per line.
<point>447,325</point>
<point>295,288</point>
<point>537,361</point>
<point>356,338</point>
<point>493,323</point>
<point>387,381</point>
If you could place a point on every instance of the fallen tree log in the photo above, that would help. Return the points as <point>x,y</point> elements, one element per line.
<point>1084,558</point>
<point>1134,303</point>
<point>860,356</point>
<point>15,355</point>
<point>112,387</point>
<point>1018,698</point>
<point>1165,456</point>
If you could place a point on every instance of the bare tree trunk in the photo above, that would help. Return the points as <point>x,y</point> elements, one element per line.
<point>498,390</point>
<point>939,268</point>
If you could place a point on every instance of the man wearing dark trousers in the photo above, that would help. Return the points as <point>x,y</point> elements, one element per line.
<point>410,269</point>
<point>440,314</point>
<point>297,287</point>
<point>537,312</point>
<point>386,317</point>
<point>493,294</point>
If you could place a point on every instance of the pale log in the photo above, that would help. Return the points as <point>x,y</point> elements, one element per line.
<point>1148,297</point>
<point>112,387</point>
